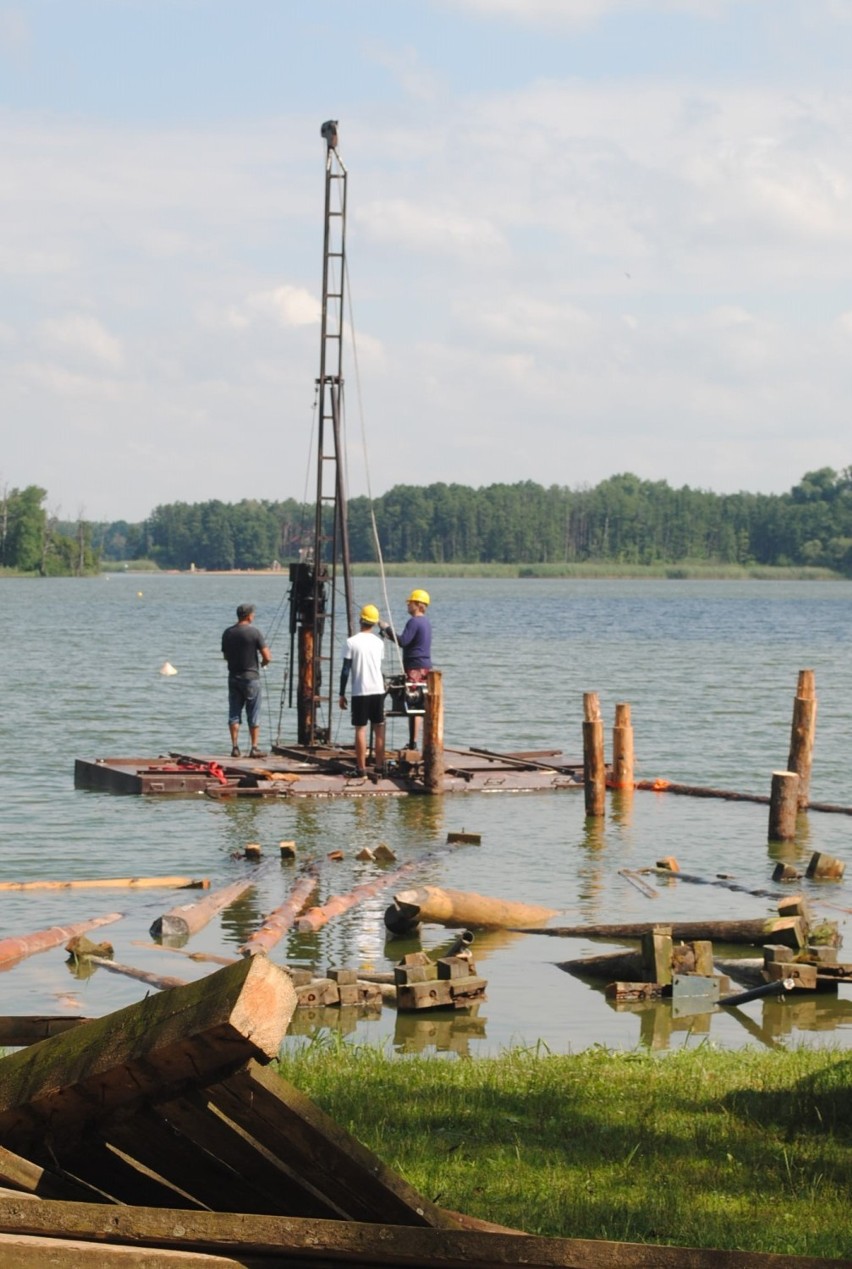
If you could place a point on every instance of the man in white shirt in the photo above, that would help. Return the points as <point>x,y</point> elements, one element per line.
<point>362,657</point>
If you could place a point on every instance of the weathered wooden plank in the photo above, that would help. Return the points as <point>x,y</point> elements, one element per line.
<point>16,1032</point>
<point>25,1251</point>
<point>277,1187</point>
<point>22,1174</point>
<point>335,1242</point>
<point>191,1034</point>
<point>273,1112</point>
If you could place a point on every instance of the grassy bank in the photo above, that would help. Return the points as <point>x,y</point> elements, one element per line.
<point>746,1150</point>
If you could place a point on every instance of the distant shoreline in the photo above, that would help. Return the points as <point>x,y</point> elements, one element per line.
<point>534,572</point>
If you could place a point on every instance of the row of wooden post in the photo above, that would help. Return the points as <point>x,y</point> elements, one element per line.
<point>790,789</point>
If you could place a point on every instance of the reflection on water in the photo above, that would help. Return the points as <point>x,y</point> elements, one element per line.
<point>778,1018</point>
<point>438,1029</point>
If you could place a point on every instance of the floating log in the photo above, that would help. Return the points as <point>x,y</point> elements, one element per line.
<point>18,1032</point>
<point>16,949</point>
<point>316,918</point>
<point>189,918</point>
<point>699,791</point>
<point>788,930</point>
<point>280,921</point>
<point>457,907</point>
<point>802,735</point>
<point>608,966</point>
<point>636,881</point>
<point>113,883</point>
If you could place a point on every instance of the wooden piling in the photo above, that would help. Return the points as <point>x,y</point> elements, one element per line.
<point>594,769</point>
<point>802,735</point>
<point>433,733</point>
<point>783,806</point>
<point>622,749</point>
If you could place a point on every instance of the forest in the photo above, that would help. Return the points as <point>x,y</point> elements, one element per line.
<point>622,520</point>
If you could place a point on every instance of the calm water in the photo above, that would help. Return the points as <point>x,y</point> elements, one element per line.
<point>710,670</point>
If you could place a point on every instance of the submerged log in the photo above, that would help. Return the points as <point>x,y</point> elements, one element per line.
<point>457,907</point>
<point>189,918</point>
<point>608,967</point>
<point>162,982</point>
<point>787,930</point>
<point>16,949</point>
<point>316,918</point>
<point>280,921</point>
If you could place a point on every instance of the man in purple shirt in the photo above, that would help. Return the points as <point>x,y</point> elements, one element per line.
<point>415,640</point>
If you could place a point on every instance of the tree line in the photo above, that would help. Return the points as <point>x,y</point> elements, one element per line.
<point>622,520</point>
<point>33,541</point>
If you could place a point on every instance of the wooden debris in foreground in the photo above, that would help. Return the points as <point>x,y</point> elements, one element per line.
<point>457,907</point>
<point>147,1139</point>
<point>189,918</point>
<point>216,1240</point>
<point>185,1036</point>
<point>16,949</point>
<point>112,883</point>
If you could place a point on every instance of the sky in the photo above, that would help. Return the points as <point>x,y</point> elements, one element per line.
<point>584,237</point>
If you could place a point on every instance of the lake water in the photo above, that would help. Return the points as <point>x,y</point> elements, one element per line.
<point>709,668</point>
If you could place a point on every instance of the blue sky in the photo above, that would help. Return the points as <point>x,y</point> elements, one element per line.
<point>585,237</point>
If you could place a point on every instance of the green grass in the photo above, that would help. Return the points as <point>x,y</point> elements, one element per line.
<point>738,1151</point>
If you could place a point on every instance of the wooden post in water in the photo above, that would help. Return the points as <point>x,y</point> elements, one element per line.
<point>802,734</point>
<point>433,733</point>
<point>783,806</point>
<point>622,749</point>
<point>594,769</point>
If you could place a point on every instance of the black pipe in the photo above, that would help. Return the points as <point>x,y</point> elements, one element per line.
<point>777,988</point>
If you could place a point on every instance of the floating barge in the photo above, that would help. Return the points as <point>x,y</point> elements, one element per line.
<point>296,773</point>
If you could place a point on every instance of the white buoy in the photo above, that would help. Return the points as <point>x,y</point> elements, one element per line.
<point>167,669</point>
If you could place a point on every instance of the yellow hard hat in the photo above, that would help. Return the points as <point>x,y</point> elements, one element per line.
<point>370,613</point>
<point>418,597</point>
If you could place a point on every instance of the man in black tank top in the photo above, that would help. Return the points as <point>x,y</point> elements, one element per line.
<point>244,648</point>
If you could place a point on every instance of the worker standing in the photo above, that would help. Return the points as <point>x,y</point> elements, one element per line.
<point>362,656</point>
<point>415,640</point>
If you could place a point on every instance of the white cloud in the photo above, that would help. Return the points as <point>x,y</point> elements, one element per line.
<point>569,13</point>
<point>419,227</point>
<point>287,305</point>
<point>80,334</point>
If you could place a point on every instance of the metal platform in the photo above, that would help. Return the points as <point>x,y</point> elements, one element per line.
<point>295,773</point>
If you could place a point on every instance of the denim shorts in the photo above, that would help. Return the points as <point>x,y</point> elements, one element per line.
<point>244,691</point>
